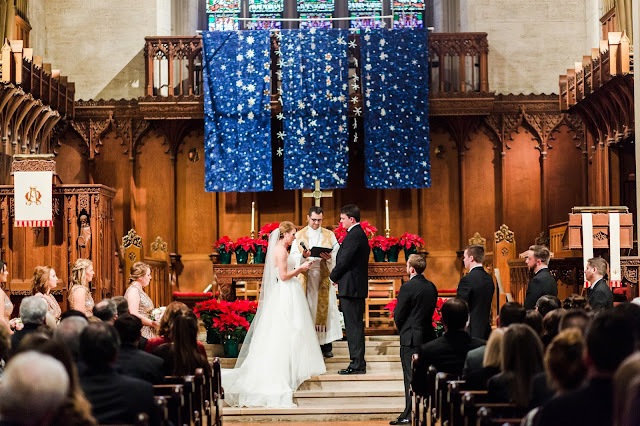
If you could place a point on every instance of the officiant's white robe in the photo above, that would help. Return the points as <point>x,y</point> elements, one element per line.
<point>334,329</point>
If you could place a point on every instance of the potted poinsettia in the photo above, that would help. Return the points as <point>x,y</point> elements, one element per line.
<point>379,246</point>
<point>225,247</point>
<point>244,246</point>
<point>410,243</point>
<point>266,230</point>
<point>261,250</point>
<point>368,229</point>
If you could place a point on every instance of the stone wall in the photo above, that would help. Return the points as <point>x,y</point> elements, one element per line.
<point>532,43</point>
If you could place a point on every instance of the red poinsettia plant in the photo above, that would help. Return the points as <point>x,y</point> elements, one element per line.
<point>384,243</point>
<point>247,244</point>
<point>227,319</point>
<point>408,241</point>
<point>266,230</point>
<point>261,243</point>
<point>224,244</point>
<point>368,229</point>
<point>436,319</point>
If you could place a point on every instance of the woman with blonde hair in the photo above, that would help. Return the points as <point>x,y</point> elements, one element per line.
<point>80,298</point>
<point>6,307</point>
<point>44,280</point>
<point>140,304</point>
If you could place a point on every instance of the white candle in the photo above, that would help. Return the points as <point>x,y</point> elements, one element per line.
<point>386,214</point>
<point>253,215</point>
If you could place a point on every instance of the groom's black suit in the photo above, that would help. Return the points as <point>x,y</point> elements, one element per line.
<point>352,275</point>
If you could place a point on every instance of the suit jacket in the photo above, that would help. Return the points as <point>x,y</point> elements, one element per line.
<point>473,362</point>
<point>477,289</point>
<point>447,353</point>
<point>600,295</point>
<point>352,262</point>
<point>118,399</point>
<point>541,284</point>
<point>136,363</point>
<point>590,405</point>
<point>416,302</point>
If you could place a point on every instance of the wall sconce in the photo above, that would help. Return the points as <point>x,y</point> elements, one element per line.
<point>440,151</point>
<point>193,155</point>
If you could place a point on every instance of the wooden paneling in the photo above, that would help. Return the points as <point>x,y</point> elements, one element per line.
<point>72,165</point>
<point>522,203</point>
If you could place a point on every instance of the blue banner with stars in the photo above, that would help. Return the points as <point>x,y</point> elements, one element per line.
<point>396,115</point>
<point>237,111</point>
<point>314,69</point>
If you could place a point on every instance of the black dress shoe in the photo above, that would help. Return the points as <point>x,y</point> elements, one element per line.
<point>399,421</point>
<point>327,354</point>
<point>350,370</point>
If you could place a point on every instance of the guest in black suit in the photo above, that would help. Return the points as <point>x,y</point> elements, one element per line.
<point>33,312</point>
<point>537,259</point>
<point>609,341</point>
<point>600,295</point>
<point>447,353</point>
<point>115,398</point>
<point>131,360</point>
<point>477,288</point>
<point>413,317</point>
<point>351,273</point>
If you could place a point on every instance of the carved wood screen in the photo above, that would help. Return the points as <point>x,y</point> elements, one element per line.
<point>82,227</point>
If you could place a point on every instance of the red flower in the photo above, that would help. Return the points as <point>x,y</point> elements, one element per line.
<point>391,306</point>
<point>267,229</point>
<point>407,240</point>
<point>246,243</point>
<point>383,242</point>
<point>369,230</point>
<point>340,232</point>
<point>262,243</point>
<point>224,244</point>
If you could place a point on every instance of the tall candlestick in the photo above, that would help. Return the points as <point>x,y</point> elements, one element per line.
<point>253,215</point>
<point>386,217</point>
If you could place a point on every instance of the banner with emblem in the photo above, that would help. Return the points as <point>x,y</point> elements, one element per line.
<point>33,198</point>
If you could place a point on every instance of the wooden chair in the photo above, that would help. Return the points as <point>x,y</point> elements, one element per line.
<point>381,292</point>
<point>248,290</point>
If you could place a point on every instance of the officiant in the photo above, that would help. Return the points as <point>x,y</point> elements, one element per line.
<point>321,295</point>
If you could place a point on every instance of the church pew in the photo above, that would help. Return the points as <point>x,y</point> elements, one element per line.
<point>162,406</point>
<point>497,416</point>
<point>216,392</point>
<point>175,402</point>
<point>455,391</point>
<point>193,397</point>
<point>421,403</point>
<point>441,409</point>
<point>472,409</point>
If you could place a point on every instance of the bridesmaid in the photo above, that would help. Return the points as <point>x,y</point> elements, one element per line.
<point>80,298</point>
<point>140,303</point>
<point>6,307</point>
<point>44,280</point>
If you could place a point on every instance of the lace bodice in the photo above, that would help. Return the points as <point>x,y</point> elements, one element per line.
<point>52,306</point>
<point>145,307</point>
<point>8,306</point>
<point>88,300</point>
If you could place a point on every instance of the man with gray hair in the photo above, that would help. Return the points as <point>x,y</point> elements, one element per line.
<point>33,312</point>
<point>34,386</point>
<point>68,332</point>
<point>106,310</point>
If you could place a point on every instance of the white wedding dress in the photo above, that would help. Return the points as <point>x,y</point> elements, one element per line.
<point>281,349</point>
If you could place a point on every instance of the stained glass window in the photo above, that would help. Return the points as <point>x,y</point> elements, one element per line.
<point>266,9</point>
<point>408,14</point>
<point>222,13</point>
<point>323,20</point>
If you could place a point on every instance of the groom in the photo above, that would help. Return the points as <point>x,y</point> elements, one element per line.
<point>351,275</point>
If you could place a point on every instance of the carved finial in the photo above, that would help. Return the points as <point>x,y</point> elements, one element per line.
<point>478,240</point>
<point>503,234</point>
<point>158,245</point>
<point>132,239</point>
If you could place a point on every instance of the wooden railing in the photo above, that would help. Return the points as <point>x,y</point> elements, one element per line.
<point>21,68</point>
<point>457,64</point>
<point>613,58</point>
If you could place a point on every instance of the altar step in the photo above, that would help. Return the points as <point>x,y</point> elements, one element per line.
<point>376,395</point>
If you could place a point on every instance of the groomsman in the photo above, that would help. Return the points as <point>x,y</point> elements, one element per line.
<point>537,259</point>
<point>477,288</point>
<point>351,273</point>
<point>416,303</point>
<point>600,295</point>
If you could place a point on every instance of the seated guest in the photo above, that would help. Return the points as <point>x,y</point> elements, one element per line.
<point>565,370</point>
<point>631,313</point>
<point>34,386</point>
<point>182,357</point>
<point>76,409</point>
<point>534,320</point>
<point>131,360</point>
<point>574,318</point>
<point>550,325</point>
<point>115,398</point>
<point>626,374</point>
<point>122,306</point>
<point>491,363</point>
<point>448,352</point>
<point>68,332</point>
<point>609,341</point>
<point>600,295</point>
<point>106,310</point>
<point>33,312</point>
<point>510,313</point>
<point>166,326</point>
<point>521,361</point>
<point>575,302</point>
<point>546,304</point>
<point>44,280</point>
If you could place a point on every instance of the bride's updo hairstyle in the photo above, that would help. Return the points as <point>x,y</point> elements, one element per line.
<point>286,227</point>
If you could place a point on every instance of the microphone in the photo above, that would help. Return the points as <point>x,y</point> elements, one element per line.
<point>303,246</point>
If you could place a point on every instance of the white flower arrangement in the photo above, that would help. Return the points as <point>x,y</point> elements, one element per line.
<point>156,314</point>
<point>16,324</point>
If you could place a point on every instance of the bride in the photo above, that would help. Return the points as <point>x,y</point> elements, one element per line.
<point>281,349</point>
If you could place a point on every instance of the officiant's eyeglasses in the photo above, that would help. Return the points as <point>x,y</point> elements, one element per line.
<point>316,220</point>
